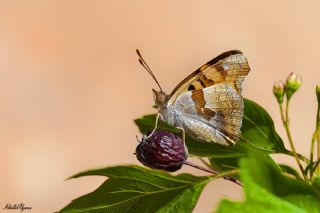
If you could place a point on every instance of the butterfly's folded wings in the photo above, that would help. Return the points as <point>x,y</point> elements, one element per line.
<point>211,98</point>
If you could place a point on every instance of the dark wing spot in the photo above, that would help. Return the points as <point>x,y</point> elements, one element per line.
<point>191,88</point>
<point>202,83</point>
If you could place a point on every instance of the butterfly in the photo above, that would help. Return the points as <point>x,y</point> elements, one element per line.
<point>207,105</point>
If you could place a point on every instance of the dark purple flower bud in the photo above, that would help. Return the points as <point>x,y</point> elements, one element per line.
<point>162,150</point>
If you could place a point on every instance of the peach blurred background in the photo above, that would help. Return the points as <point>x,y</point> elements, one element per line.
<point>70,83</point>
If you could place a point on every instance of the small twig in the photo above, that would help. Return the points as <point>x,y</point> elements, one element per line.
<point>318,153</point>
<point>212,172</point>
<point>314,139</point>
<point>317,136</point>
<point>285,120</point>
<point>205,163</point>
<point>300,156</point>
<point>314,136</point>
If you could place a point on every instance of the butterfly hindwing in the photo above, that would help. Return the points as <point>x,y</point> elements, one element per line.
<point>214,113</point>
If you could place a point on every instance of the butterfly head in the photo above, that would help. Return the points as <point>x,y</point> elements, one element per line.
<point>160,98</point>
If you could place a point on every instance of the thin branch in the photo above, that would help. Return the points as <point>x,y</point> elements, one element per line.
<point>205,163</point>
<point>317,136</point>
<point>285,120</point>
<point>300,156</point>
<point>213,172</point>
<point>318,147</point>
<point>314,139</point>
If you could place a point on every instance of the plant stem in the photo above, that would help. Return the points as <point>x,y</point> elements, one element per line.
<point>317,135</point>
<point>318,147</point>
<point>314,138</point>
<point>282,114</point>
<point>285,120</point>
<point>205,163</point>
<point>212,172</point>
<point>300,156</point>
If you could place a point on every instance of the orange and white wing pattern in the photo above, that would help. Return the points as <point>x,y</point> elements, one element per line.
<point>230,67</point>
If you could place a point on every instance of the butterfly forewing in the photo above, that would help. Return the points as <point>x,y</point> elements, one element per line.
<point>230,67</point>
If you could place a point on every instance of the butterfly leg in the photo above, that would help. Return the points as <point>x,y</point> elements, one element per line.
<point>183,137</point>
<point>157,120</point>
<point>155,125</point>
<point>183,133</point>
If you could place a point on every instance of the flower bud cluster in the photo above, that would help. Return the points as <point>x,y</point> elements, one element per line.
<point>292,85</point>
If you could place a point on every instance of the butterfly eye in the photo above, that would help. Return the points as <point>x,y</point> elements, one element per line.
<point>155,98</point>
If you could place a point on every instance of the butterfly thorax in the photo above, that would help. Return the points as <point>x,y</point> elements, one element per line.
<point>170,115</point>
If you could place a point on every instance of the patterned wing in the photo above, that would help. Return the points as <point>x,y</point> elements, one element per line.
<point>212,114</point>
<point>230,67</point>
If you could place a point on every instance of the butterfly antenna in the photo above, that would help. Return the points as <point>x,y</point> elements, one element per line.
<point>146,67</point>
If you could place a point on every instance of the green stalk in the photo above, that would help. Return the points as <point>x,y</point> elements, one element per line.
<point>318,146</point>
<point>317,134</point>
<point>314,138</point>
<point>285,120</point>
<point>300,156</point>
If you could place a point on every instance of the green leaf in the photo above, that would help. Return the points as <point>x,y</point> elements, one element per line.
<point>137,189</point>
<point>289,170</point>
<point>258,129</point>
<point>268,190</point>
<point>316,183</point>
